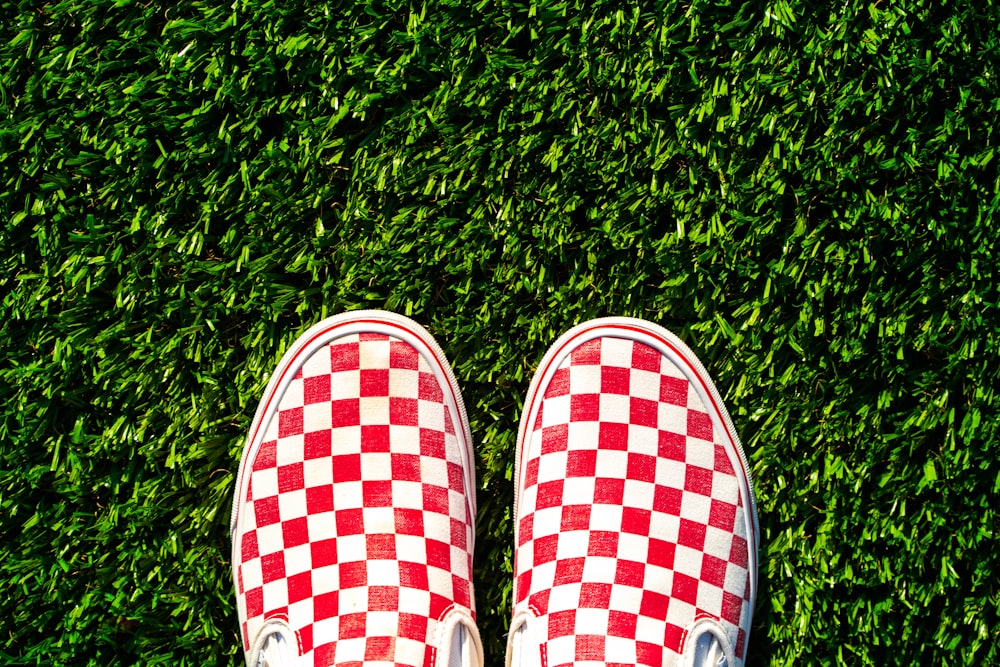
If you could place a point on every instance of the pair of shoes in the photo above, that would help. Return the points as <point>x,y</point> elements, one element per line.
<point>353,520</point>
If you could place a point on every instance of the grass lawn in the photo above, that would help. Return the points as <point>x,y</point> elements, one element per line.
<point>804,191</point>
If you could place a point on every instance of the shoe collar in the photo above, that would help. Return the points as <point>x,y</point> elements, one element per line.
<point>706,644</point>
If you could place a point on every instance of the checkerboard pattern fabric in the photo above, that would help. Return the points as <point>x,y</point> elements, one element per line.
<point>356,528</point>
<point>631,524</point>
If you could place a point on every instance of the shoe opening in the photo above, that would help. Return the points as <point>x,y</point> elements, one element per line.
<point>707,645</point>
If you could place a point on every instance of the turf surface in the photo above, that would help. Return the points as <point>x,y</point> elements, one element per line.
<point>804,191</point>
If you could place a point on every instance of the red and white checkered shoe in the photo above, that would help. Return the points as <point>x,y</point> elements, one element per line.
<point>636,527</point>
<point>353,519</point>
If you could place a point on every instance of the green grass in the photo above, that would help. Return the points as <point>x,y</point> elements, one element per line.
<point>805,192</point>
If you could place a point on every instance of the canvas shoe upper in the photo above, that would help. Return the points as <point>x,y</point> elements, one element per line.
<point>636,528</point>
<point>353,518</point>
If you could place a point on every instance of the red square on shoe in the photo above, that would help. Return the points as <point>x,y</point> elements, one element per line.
<point>630,492</point>
<point>299,587</point>
<point>295,532</point>
<point>317,445</point>
<point>266,511</point>
<point>354,510</point>
<point>291,478</point>
<point>413,575</point>
<point>575,517</point>
<point>584,407</point>
<point>374,382</point>
<point>612,436</point>
<point>615,380</point>
<point>289,422</point>
<point>316,389</point>
<point>346,412</point>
